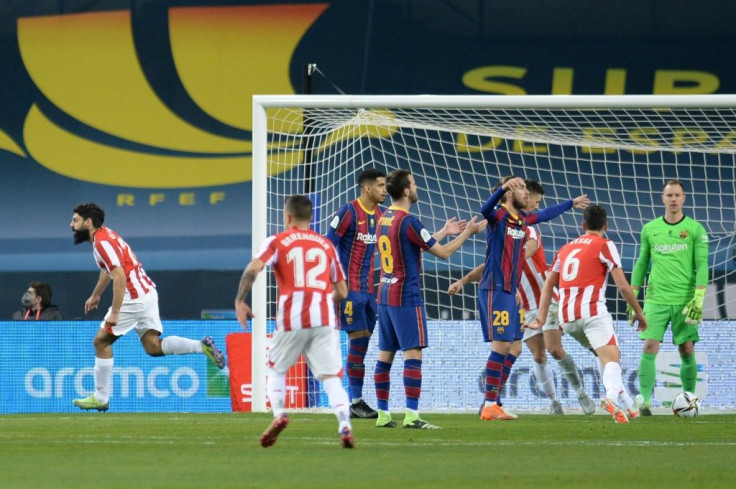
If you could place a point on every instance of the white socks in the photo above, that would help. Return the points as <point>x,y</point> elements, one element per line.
<point>103,376</point>
<point>276,391</point>
<point>176,345</point>
<point>336,395</point>
<point>545,379</point>
<point>626,399</point>
<point>339,401</point>
<point>612,381</point>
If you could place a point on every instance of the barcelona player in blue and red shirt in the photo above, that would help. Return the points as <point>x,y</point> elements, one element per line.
<point>402,319</point>
<point>353,232</point>
<point>498,304</point>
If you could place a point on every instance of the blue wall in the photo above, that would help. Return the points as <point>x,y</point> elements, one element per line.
<point>45,365</point>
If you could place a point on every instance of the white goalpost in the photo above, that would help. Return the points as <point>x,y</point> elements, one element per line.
<point>617,149</point>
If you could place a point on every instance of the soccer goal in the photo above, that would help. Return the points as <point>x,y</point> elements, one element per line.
<point>619,150</point>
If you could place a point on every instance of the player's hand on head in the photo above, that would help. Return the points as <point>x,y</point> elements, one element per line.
<point>581,202</point>
<point>514,184</point>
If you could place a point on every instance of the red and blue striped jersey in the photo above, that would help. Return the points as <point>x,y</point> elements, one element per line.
<point>505,238</point>
<point>402,238</point>
<point>353,232</point>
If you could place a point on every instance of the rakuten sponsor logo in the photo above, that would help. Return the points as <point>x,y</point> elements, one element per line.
<point>159,382</point>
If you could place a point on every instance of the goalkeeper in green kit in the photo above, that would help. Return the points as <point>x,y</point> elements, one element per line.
<point>677,248</point>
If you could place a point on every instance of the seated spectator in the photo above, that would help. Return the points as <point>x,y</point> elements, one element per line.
<point>37,304</point>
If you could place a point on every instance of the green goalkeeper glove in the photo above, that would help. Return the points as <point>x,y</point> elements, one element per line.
<point>693,312</point>
<point>630,315</point>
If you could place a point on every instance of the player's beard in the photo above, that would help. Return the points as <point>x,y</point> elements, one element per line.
<point>518,204</point>
<point>81,236</point>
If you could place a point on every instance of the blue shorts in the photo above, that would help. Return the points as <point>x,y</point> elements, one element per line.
<point>505,316</point>
<point>358,312</point>
<point>402,327</point>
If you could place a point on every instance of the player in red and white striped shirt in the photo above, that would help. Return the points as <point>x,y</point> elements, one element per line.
<point>549,337</point>
<point>134,304</point>
<point>580,271</point>
<point>311,282</point>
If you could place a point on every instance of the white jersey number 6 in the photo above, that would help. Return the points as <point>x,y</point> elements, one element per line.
<point>571,266</point>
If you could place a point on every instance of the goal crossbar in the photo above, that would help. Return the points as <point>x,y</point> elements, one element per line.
<point>659,105</point>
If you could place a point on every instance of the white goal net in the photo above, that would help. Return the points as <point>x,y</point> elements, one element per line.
<point>617,150</point>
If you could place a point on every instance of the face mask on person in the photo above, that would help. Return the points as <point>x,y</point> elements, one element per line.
<point>26,300</point>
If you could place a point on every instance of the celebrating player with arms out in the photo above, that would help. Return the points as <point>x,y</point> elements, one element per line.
<point>402,320</point>
<point>310,282</point>
<point>134,304</point>
<point>677,247</point>
<point>497,295</point>
<point>580,271</point>
<point>353,232</point>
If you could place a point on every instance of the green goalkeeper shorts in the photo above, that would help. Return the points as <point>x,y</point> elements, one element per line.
<point>660,316</point>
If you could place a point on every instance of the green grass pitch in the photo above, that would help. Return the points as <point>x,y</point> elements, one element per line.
<point>109,450</point>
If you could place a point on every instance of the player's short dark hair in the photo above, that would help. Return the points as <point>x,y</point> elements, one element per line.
<point>299,207</point>
<point>396,182</point>
<point>674,181</point>
<point>502,181</point>
<point>534,187</point>
<point>43,290</point>
<point>90,210</point>
<point>369,176</point>
<point>595,217</point>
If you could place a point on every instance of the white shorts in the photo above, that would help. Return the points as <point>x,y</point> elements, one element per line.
<point>320,347</point>
<point>552,323</point>
<point>141,314</point>
<point>593,332</point>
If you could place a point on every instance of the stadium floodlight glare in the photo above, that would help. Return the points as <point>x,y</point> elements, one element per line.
<point>617,149</point>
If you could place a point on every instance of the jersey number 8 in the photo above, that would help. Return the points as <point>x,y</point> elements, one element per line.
<point>384,248</point>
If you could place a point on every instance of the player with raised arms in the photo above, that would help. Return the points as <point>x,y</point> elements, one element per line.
<point>498,298</point>
<point>353,232</point>
<point>310,283</point>
<point>549,337</point>
<point>580,271</point>
<point>402,319</point>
